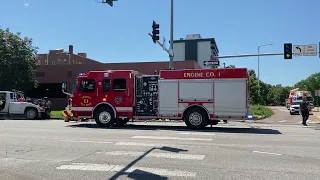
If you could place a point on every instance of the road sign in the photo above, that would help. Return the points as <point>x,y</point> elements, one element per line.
<point>212,62</point>
<point>170,51</point>
<point>305,50</point>
<point>317,93</point>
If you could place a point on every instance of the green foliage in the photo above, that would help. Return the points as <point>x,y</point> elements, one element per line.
<point>262,111</point>
<point>312,83</point>
<point>17,61</point>
<point>264,93</point>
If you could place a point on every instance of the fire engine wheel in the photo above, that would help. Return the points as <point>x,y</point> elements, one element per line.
<point>104,117</point>
<point>31,113</point>
<point>196,118</point>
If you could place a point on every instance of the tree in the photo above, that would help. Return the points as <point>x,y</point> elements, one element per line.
<point>311,83</point>
<point>17,61</point>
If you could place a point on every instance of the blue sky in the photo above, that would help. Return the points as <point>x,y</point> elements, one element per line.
<point>119,34</point>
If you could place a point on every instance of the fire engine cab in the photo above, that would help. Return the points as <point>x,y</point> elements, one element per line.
<point>199,97</point>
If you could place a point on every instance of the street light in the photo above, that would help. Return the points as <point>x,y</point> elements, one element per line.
<point>171,36</point>
<point>259,60</point>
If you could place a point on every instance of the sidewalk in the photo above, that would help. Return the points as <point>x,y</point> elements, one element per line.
<point>316,114</point>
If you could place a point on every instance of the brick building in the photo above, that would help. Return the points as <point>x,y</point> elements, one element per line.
<point>59,66</point>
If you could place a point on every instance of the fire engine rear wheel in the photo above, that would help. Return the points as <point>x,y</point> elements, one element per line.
<point>196,118</point>
<point>104,117</point>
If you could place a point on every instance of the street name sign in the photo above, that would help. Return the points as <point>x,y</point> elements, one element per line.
<point>212,62</point>
<point>305,50</point>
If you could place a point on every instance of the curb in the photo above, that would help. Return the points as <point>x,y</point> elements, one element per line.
<point>317,115</point>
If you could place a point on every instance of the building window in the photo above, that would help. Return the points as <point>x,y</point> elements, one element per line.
<point>46,62</point>
<point>69,73</point>
<point>53,63</point>
<point>87,85</point>
<point>119,85</point>
<point>59,61</point>
<point>106,85</point>
<point>40,74</point>
<point>39,62</point>
<point>65,61</point>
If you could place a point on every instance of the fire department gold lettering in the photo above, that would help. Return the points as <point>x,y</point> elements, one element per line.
<point>193,75</point>
<point>86,101</point>
<point>197,75</point>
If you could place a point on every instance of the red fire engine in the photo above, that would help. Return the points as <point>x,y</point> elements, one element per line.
<point>197,96</point>
<point>296,95</point>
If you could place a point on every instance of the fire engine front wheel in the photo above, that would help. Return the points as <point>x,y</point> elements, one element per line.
<point>196,118</point>
<point>104,117</point>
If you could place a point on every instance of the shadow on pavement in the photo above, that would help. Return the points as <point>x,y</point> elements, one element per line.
<point>141,174</point>
<point>249,130</point>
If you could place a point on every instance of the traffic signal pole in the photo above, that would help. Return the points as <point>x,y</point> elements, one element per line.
<point>171,37</point>
<point>161,45</point>
<point>249,55</point>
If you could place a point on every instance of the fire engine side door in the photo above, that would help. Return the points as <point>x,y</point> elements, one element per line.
<point>86,97</point>
<point>120,96</point>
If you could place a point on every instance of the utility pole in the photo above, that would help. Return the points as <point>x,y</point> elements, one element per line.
<point>259,61</point>
<point>224,65</point>
<point>171,37</point>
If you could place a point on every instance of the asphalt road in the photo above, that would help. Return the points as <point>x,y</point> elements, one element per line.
<point>40,150</point>
<point>282,116</point>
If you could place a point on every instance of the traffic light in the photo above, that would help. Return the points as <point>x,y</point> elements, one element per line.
<point>155,32</point>
<point>287,51</point>
<point>110,2</point>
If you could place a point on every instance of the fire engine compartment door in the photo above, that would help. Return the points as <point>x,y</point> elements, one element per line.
<point>230,98</point>
<point>168,98</point>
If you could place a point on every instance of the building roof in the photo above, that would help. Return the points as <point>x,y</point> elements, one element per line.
<point>68,72</point>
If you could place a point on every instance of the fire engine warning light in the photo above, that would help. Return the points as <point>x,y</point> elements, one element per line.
<point>250,116</point>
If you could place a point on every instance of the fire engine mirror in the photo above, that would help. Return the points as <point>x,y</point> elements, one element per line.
<point>64,87</point>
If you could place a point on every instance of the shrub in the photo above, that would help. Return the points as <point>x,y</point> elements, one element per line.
<point>262,111</point>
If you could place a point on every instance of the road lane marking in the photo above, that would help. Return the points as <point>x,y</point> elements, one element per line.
<point>283,110</point>
<point>261,152</point>
<point>154,154</point>
<point>97,142</point>
<point>136,144</point>
<point>170,138</point>
<point>198,133</point>
<point>282,121</point>
<point>133,169</point>
<point>159,144</point>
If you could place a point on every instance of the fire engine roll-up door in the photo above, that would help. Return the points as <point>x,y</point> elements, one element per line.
<point>168,98</point>
<point>230,98</point>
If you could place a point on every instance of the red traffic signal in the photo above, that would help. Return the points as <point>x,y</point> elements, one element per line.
<point>155,32</point>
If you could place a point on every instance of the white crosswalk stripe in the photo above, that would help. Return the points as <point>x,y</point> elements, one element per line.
<point>118,168</point>
<point>282,121</point>
<point>170,138</point>
<point>153,154</point>
<point>115,158</point>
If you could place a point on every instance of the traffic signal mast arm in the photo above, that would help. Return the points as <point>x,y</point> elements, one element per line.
<point>162,45</point>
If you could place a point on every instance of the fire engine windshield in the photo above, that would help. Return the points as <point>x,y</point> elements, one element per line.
<point>75,86</point>
<point>309,98</point>
<point>2,96</point>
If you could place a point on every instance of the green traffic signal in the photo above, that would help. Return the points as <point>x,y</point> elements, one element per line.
<point>287,51</point>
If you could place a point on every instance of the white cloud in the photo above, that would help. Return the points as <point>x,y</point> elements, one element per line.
<point>26,4</point>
